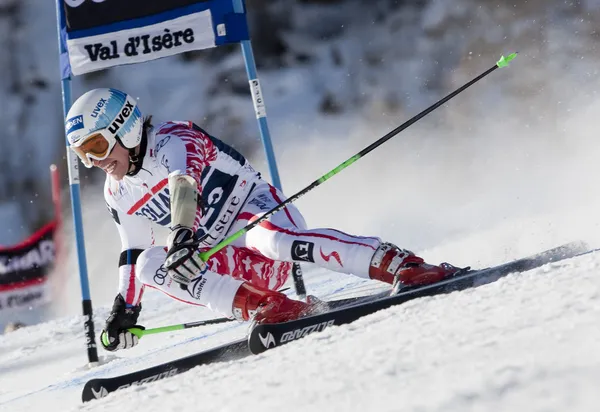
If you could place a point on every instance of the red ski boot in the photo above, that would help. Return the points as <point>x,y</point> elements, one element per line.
<point>266,306</point>
<point>390,264</point>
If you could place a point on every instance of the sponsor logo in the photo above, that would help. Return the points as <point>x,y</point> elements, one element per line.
<point>89,331</point>
<point>268,340</point>
<point>114,214</point>
<point>213,201</point>
<point>74,123</point>
<point>225,218</point>
<point>19,299</point>
<point>165,162</point>
<point>296,271</point>
<point>300,333</point>
<point>220,202</point>
<point>333,254</point>
<point>160,275</point>
<point>152,378</point>
<point>261,201</point>
<point>249,169</point>
<point>116,189</point>
<point>98,108</point>
<point>257,99</point>
<point>157,208</point>
<point>101,393</point>
<point>144,44</point>
<point>38,257</point>
<point>303,251</point>
<point>73,163</point>
<point>162,143</point>
<point>379,253</point>
<point>120,120</point>
<point>197,286</point>
<point>74,138</point>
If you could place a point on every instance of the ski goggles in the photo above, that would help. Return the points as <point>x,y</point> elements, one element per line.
<point>95,146</point>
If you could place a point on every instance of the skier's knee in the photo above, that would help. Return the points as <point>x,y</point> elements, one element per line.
<point>149,264</point>
<point>262,241</point>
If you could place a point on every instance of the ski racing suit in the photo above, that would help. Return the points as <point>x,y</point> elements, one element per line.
<point>232,195</point>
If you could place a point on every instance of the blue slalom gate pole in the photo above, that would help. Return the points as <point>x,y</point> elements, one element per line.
<point>261,117</point>
<point>259,103</point>
<point>73,166</point>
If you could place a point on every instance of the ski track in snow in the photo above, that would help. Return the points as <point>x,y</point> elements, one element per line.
<point>525,342</point>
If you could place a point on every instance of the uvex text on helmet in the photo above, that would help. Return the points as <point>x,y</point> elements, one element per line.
<point>105,109</point>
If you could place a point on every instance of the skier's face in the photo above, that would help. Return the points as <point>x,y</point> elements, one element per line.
<point>116,164</point>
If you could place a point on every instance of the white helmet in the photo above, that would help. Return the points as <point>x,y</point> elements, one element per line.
<point>99,119</point>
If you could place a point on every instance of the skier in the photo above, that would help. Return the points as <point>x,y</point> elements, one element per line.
<point>177,175</point>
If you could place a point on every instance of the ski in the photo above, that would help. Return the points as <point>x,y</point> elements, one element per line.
<point>266,336</point>
<point>99,388</point>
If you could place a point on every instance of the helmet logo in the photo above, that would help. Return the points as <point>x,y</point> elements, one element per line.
<point>74,123</point>
<point>120,120</point>
<point>99,105</point>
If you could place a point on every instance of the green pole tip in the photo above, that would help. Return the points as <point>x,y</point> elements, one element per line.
<point>503,62</point>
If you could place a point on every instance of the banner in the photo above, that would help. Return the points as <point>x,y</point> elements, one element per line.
<point>98,34</point>
<point>24,270</point>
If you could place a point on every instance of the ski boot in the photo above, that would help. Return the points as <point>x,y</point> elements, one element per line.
<point>402,268</point>
<point>267,306</point>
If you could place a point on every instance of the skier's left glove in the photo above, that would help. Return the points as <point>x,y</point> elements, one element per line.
<point>115,335</point>
<point>183,261</point>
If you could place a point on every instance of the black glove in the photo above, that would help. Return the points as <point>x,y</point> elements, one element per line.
<point>183,261</point>
<point>115,335</point>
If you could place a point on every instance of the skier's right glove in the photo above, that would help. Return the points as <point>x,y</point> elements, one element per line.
<point>183,262</point>
<point>115,335</point>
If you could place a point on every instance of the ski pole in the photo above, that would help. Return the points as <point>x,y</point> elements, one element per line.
<point>143,332</point>
<point>139,332</point>
<point>299,286</point>
<point>503,62</point>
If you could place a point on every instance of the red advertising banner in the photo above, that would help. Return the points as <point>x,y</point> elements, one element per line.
<point>24,270</point>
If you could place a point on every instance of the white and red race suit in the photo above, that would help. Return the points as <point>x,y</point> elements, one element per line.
<point>232,195</point>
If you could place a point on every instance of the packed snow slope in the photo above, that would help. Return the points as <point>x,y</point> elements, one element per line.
<point>476,194</point>
<point>527,342</point>
<point>505,170</point>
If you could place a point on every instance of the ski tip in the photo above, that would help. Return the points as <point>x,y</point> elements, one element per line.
<point>503,62</point>
<point>259,343</point>
<point>93,389</point>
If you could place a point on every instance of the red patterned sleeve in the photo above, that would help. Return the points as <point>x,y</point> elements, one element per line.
<point>186,149</point>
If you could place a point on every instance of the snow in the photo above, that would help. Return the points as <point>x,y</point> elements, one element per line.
<point>506,169</point>
<point>526,342</point>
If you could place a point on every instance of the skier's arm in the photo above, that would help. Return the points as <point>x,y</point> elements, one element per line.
<point>136,236</point>
<point>183,262</point>
<point>187,151</point>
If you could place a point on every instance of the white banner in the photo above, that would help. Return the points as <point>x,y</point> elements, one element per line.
<point>190,32</point>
